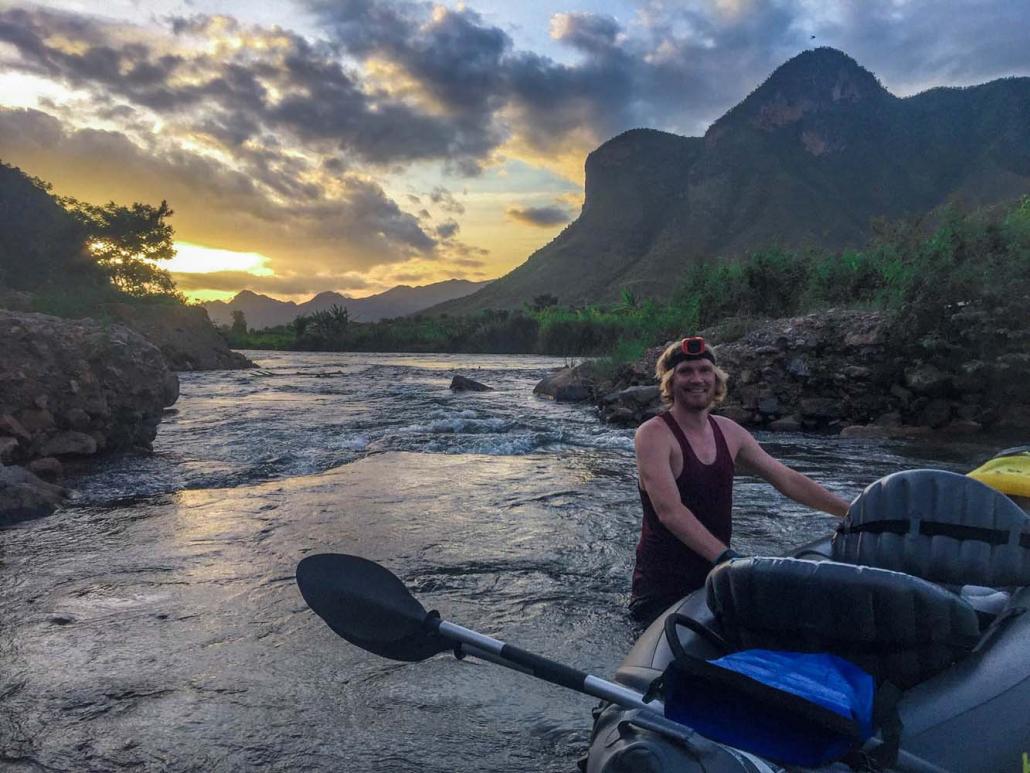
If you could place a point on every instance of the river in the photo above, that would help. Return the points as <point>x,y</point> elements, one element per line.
<point>154,624</point>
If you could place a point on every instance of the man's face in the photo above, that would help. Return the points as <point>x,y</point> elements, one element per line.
<point>693,384</point>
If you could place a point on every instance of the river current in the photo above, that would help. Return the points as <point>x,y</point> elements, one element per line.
<point>154,624</point>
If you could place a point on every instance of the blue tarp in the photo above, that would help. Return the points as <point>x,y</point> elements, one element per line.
<point>783,728</point>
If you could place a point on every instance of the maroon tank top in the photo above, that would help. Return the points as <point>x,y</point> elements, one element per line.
<point>665,567</point>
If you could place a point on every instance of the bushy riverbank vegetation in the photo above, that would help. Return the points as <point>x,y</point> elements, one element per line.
<point>929,276</point>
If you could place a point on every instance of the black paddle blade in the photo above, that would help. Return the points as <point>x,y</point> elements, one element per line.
<point>368,606</point>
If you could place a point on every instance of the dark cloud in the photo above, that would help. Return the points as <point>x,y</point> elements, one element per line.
<point>357,227</point>
<point>468,90</point>
<point>445,200</point>
<point>292,86</point>
<point>542,217</point>
<point>588,32</point>
<point>448,229</point>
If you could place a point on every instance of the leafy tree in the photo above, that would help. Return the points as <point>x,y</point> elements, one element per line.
<point>40,243</point>
<point>124,239</point>
<point>239,323</point>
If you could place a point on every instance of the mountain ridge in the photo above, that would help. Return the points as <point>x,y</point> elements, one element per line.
<point>263,311</point>
<point>807,160</point>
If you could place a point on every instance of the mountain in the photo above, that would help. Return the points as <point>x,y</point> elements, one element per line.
<point>261,311</point>
<point>806,160</point>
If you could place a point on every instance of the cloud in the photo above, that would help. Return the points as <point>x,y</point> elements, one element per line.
<point>588,32</point>
<point>448,229</point>
<point>445,200</point>
<point>542,217</point>
<point>348,224</point>
<point>264,140</point>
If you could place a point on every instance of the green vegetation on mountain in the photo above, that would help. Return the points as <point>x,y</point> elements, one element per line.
<point>807,161</point>
<point>72,258</point>
<point>959,286</point>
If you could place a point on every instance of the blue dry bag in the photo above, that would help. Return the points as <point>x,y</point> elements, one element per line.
<point>794,708</point>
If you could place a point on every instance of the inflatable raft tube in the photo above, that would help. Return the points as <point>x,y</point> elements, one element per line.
<point>964,712</point>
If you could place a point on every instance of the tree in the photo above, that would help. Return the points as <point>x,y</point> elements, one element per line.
<point>40,243</point>
<point>629,299</point>
<point>239,323</point>
<point>329,326</point>
<point>544,301</point>
<point>125,241</point>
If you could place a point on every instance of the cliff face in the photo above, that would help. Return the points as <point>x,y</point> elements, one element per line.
<point>807,160</point>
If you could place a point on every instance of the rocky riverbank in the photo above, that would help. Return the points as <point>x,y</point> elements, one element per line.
<point>184,334</point>
<point>834,371</point>
<point>71,389</point>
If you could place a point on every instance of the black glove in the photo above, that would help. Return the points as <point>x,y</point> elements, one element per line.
<point>727,555</point>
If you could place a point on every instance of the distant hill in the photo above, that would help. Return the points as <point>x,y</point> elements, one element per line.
<point>807,159</point>
<point>261,311</point>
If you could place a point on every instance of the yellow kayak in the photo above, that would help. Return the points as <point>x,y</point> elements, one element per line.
<point>1008,472</point>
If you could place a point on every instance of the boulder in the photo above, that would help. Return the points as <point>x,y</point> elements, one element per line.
<point>462,384</point>
<point>631,406</point>
<point>48,468</point>
<point>69,443</point>
<point>74,387</point>
<point>786,424</point>
<point>184,334</point>
<point>8,449</point>
<point>566,385</point>
<point>23,495</point>
<point>927,380</point>
<point>936,413</point>
<point>820,408</point>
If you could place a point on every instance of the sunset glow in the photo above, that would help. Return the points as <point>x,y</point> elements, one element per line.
<point>197,259</point>
<point>308,146</point>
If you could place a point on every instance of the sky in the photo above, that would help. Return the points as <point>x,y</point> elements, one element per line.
<point>354,145</point>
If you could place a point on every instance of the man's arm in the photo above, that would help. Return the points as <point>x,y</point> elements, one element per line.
<point>653,447</point>
<point>789,482</point>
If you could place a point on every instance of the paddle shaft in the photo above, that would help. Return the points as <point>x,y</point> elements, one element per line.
<point>549,670</point>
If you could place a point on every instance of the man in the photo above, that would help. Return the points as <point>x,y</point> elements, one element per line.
<point>686,459</point>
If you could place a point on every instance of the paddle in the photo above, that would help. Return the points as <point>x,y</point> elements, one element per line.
<point>370,607</point>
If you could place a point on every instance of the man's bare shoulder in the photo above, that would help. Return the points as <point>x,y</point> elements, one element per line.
<point>735,434</point>
<point>652,430</point>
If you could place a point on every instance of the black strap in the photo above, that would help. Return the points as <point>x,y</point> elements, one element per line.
<point>935,529</point>
<point>702,630</point>
<point>887,720</point>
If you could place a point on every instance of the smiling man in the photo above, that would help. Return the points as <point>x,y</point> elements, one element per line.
<point>686,459</point>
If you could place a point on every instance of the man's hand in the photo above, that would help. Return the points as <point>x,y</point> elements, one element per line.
<point>727,555</point>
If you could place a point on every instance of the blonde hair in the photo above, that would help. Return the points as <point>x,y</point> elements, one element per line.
<point>663,373</point>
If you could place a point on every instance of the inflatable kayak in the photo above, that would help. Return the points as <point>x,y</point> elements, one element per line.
<point>921,591</point>
<point>1008,472</point>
